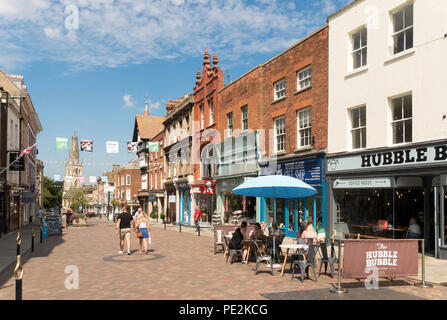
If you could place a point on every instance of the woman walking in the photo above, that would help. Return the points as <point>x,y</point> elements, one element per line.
<point>143,228</point>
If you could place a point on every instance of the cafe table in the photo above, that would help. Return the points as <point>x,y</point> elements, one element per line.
<point>250,244</point>
<point>293,246</point>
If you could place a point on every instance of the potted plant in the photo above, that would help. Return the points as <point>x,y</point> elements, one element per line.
<point>162,217</point>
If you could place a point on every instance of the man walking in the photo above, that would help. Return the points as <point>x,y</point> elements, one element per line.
<point>196,218</point>
<point>123,226</point>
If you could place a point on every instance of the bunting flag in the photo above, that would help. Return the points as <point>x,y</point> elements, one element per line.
<point>112,147</point>
<point>92,179</point>
<point>153,146</point>
<point>87,145</point>
<point>68,179</point>
<point>104,179</point>
<point>61,143</point>
<point>81,179</point>
<point>132,147</point>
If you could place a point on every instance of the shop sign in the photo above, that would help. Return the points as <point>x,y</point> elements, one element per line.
<point>363,183</point>
<point>183,185</point>
<point>151,198</point>
<point>27,197</point>
<point>19,165</point>
<point>196,190</point>
<point>309,170</point>
<point>208,187</point>
<point>430,155</point>
<point>380,258</point>
<point>171,199</point>
<point>230,184</point>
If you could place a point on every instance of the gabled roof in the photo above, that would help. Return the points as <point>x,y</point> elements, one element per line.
<point>147,126</point>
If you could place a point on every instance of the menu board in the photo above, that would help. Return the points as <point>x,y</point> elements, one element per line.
<point>54,225</point>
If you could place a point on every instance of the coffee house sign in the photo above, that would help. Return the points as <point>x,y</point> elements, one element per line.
<point>429,155</point>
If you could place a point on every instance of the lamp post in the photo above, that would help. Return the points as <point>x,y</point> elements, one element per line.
<point>4,97</point>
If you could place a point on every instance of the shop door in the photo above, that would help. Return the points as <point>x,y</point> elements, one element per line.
<point>291,220</point>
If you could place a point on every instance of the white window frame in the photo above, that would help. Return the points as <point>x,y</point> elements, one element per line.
<point>403,30</point>
<point>127,194</point>
<point>202,116</point>
<point>211,105</point>
<point>230,127</point>
<point>244,128</point>
<point>304,78</point>
<point>358,127</point>
<point>280,138</point>
<point>403,119</point>
<point>122,180</point>
<point>364,59</point>
<point>279,89</point>
<point>144,181</point>
<point>128,180</point>
<point>307,127</point>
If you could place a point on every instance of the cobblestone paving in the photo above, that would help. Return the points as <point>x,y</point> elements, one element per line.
<point>180,266</point>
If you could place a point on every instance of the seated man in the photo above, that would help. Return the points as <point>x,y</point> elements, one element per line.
<point>236,240</point>
<point>414,230</point>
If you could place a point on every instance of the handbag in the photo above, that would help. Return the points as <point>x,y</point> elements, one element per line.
<point>139,234</point>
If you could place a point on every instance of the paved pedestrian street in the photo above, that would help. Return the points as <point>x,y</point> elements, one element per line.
<point>179,266</point>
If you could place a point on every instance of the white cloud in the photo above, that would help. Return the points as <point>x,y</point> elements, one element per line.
<point>128,103</point>
<point>121,32</point>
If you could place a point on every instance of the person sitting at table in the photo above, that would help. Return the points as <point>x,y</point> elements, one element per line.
<point>264,229</point>
<point>236,240</point>
<point>309,231</point>
<point>414,230</point>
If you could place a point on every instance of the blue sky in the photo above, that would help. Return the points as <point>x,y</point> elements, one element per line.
<point>92,77</point>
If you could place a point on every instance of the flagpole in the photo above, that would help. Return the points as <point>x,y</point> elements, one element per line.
<point>18,158</point>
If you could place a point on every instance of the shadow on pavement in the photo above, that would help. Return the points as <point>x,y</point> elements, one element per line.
<point>40,250</point>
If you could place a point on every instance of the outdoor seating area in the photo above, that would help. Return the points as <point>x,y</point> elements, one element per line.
<point>305,255</point>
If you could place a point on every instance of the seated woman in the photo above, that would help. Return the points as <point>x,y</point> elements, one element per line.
<point>236,240</point>
<point>309,231</point>
<point>258,234</point>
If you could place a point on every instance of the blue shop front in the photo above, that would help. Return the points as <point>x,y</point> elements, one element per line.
<point>289,212</point>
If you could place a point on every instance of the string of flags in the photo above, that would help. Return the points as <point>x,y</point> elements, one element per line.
<point>70,179</point>
<point>93,164</point>
<point>111,146</point>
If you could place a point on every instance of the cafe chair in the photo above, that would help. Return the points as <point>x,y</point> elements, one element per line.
<point>260,257</point>
<point>218,241</point>
<point>310,262</point>
<point>326,260</point>
<point>234,252</point>
<point>298,255</point>
<point>227,240</point>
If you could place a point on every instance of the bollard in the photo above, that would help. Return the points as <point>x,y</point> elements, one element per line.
<point>18,271</point>
<point>164,222</point>
<point>32,240</point>
<point>339,289</point>
<point>423,284</point>
<point>41,231</point>
<point>198,230</point>
<point>180,226</point>
<point>19,241</point>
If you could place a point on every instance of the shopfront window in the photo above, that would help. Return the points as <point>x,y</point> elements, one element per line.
<point>269,210</point>
<point>444,222</point>
<point>382,213</point>
<point>247,205</point>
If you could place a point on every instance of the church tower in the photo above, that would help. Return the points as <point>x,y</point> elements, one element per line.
<point>73,170</point>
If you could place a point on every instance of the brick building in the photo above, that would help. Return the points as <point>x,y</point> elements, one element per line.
<point>155,175</point>
<point>205,135</point>
<point>274,120</point>
<point>127,182</point>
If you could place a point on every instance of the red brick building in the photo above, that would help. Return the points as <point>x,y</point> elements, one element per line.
<point>277,113</point>
<point>205,135</point>
<point>127,185</point>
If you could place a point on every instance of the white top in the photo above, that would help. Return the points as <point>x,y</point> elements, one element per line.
<point>415,228</point>
<point>142,225</point>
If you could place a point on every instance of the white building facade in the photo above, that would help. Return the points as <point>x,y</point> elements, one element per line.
<point>387,134</point>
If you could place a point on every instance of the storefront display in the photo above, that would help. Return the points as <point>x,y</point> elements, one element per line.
<point>377,194</point>
<point>288,214</point>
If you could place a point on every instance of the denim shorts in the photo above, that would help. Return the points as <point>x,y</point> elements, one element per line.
<point>144,232</point>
